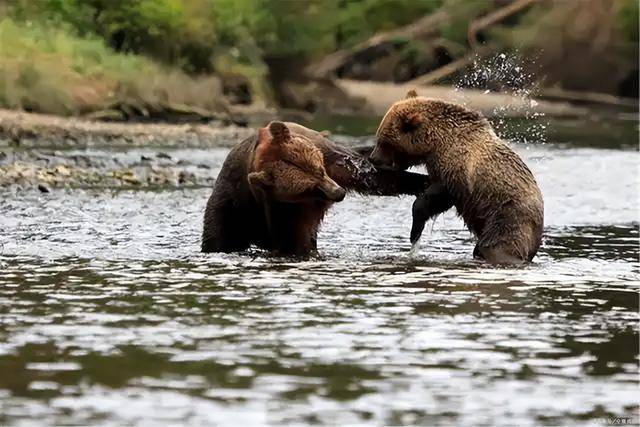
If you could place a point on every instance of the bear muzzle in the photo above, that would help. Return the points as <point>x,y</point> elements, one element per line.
<point>332,190</point>
<point>384,159</point>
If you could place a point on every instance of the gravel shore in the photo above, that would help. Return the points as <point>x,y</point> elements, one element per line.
<point>33,130</point>
<point>45,152</point>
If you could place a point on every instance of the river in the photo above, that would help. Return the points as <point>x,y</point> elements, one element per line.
<point>110,315</point>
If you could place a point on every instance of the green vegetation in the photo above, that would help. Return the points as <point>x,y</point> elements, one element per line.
<point>79,56</point>
<point>171,31</point>
<point>191,34</point>
<point>49,70</point>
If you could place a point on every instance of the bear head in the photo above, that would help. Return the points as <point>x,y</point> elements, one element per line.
<point>416,127</point>
<point>288,167</point>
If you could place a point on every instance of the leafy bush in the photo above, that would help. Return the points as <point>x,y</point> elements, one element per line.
<point>192,33</point>
<point>177,32</point>
<point>51,70</point>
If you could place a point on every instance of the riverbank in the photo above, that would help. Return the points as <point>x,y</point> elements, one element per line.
<point>44,151</point>
<point>32,130</point>
<point>18,128</point>
<point>47,151</point>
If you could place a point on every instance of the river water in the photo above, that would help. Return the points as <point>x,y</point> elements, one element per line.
<point>109,315</point>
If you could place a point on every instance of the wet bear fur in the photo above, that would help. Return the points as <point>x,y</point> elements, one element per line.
<point>275,187</point>
<point>470,168</point>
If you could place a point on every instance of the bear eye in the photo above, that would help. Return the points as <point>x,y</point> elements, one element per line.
<point>408,127</point>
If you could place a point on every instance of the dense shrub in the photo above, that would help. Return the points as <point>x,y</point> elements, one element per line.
<point>51,70</point>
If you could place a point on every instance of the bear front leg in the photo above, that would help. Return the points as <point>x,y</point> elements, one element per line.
<point>224,228</point>
<point>434,201</point>
<point>353,172</point>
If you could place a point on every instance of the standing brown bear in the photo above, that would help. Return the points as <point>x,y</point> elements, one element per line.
<point>275,188</point>
<point>470,168</point>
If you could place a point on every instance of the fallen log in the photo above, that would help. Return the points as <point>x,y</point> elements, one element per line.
<point>493,18</point>
<point>557,94</point>
<point>423,27</point>
<point>450,68</point>
<point>477,50</point>
<point>380,96</point>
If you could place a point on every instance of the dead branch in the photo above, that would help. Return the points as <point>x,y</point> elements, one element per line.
<point>423,27</point>
<point>477,50</point>
<point>493,18</point>
<point>450,68</point>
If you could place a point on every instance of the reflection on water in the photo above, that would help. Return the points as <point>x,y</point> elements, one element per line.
<point>109,315</point>
<point>594,131</point>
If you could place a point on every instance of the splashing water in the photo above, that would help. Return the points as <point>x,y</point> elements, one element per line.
<point>508,73</point>
<point>415,248</point>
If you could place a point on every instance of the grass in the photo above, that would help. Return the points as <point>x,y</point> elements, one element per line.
<point>50,70</point>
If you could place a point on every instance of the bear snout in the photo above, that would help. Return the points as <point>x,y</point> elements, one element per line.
<point>332,190</point>
<point>383,158</point>
<point>378,159</point>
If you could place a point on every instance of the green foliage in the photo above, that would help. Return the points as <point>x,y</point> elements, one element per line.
<point>628,20</point>
<point>462,12</point>
<point>358,20</point>
<point>177,32</point>
<point>53,71</point>
<point>191,33</point>
<point>204,36</point>
<point>127,47</point>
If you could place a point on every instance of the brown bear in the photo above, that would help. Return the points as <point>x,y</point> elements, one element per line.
<point>275,187</point>
<point>470,168</point>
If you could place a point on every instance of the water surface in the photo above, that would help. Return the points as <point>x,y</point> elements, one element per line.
<point>109,315</point>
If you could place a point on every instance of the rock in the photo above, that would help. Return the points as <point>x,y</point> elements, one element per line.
<point>126,176</point>
<point>82,161</point>
<point>29,129</point>
<point>188,110</point>
<point>43,188</point>
<point>62,170</point>
<point>186,177</point>
<point>162,155</point>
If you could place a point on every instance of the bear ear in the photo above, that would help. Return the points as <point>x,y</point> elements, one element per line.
<point>410,122</point>
<point>411,94</point>
<point>279,131</point>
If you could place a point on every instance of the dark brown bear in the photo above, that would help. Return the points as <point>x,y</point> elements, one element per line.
<point>275,188</point>
<point>470,168</point>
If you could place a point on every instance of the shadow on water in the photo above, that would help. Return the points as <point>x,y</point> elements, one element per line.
<point>110,315</point>
<point>590,132</point>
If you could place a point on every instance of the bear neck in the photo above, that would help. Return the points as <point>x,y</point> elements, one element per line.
<point>295,226</point>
